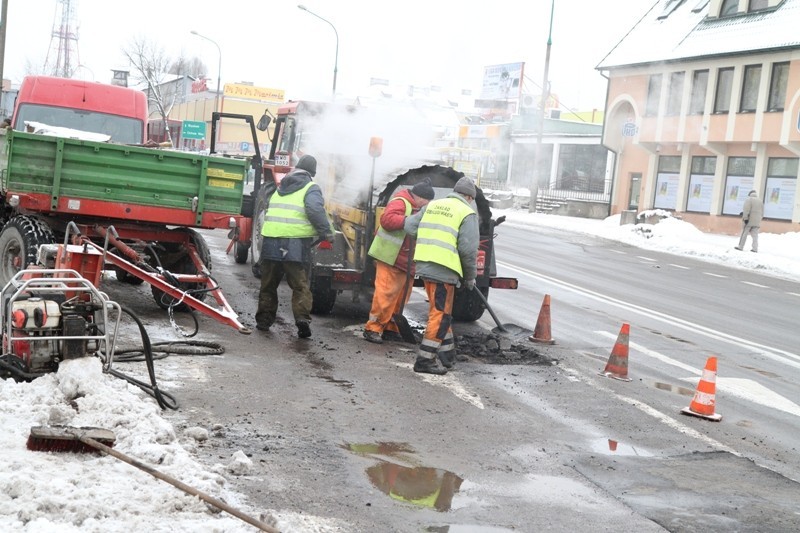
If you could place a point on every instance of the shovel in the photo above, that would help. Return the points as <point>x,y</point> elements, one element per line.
<point>399,318</point>
<point>507,329</point>
<point>86,440</point>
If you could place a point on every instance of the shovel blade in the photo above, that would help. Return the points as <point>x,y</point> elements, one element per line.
<point>512,330</point>
<point>405,329</point>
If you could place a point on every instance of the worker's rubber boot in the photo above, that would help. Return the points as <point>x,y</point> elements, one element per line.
<point>373,336</point>
<point>303,329</point>
<point>447,358</point>
<point>428,366</point>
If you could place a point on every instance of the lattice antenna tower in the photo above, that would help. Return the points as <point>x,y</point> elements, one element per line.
<point>62,56</point>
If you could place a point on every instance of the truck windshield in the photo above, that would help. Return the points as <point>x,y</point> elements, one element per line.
<point>123,130</point>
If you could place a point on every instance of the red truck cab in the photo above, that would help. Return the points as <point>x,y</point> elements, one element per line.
<point>120,112</point>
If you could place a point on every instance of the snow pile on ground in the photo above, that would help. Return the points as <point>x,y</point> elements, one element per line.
<point>47,491</point>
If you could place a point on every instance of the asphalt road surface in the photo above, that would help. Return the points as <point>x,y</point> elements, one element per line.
<point>345,432</point>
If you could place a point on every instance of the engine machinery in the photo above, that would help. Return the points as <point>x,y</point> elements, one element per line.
<point>49,315</point>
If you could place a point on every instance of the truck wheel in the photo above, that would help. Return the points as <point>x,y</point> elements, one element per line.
<point>183,265</point>
<point>240,252</point>
<point>467,306</point>
<point>324,296</point>
<point>20,239</point>
<point>261,203</point>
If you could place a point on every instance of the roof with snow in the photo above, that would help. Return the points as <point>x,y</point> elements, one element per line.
<point>674,30</point>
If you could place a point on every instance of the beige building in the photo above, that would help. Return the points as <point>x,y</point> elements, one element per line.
<point>703,106</point>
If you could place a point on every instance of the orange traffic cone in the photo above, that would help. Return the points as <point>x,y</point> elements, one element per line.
<point>617,366</point>
<point>541,334</point>
<point>704,398</point>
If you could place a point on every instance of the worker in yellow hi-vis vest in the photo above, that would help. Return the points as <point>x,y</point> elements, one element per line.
<point>393,251</point>
<point>446,256</point>
<point>294,218</point>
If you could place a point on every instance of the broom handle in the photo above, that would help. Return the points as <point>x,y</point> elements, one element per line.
<point>174,482</point>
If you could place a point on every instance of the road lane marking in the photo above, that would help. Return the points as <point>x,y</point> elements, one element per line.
<point>794,294</point>
<point>449,382</point>
<point>643,258</point>
<point>760,286</point>
<point>618,252</point>
<point>781,356</point>
<point>746,389</point>
<point>655,413</point>
<point>679,266</point>
<point>714,275</point>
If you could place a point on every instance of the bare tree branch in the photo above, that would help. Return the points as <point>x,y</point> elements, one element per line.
<point>150,66</point>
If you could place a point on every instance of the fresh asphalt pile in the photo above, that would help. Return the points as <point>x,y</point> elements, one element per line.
<point>498,349</point>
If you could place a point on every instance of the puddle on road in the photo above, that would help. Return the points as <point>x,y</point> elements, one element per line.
<point>418,485</point>
<point>673,388</point>
<point>613,447</point>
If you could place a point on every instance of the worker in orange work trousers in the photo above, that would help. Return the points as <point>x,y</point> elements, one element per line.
<point>393,250</point>
<point>446,256</point>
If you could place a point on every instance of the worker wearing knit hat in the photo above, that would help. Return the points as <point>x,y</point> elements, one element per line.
<point>466,187</point>
<point>423,189</point>
<point>393,251</point>
<point>446,257</point>
<point>307,163</point>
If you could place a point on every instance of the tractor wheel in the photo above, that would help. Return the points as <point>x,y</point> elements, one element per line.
<point>20,239</point>
<point>467,306</point>
<point>178,262</point>
<point>240,252</point>
<point>324,296</point>
<point>261,203</point>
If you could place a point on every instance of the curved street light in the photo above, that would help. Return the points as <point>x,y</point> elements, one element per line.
<point>336,59</point>
<point>219,67</point>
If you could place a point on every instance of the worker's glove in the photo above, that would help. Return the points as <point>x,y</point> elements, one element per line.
<point>469,284</point>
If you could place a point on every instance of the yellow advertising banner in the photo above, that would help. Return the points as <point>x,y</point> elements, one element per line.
<point>250,92</point>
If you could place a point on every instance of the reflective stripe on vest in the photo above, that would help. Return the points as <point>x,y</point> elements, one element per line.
<point>386,245</point>
<point>437,236</point>
<point>286,216</point>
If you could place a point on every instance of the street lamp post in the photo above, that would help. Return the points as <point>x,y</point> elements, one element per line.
<point>545,97</point>
<point>336,59</point>
<point>219,67</point>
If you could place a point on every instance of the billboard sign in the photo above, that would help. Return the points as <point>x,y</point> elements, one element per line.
<point>502,82</point>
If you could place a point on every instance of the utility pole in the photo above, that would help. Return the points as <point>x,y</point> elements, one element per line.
<point>3,27</point>
<point>545,97</point>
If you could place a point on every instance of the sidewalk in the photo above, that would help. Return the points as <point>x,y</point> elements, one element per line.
<point>778,255</point>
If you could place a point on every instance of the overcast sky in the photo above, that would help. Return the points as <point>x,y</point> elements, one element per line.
<point>274,44</point>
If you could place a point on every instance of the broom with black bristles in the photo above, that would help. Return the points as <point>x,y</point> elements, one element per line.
<point>98,440</point>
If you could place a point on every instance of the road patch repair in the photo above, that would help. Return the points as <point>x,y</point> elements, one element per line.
<point>710,491</point>
<point>499,349</point>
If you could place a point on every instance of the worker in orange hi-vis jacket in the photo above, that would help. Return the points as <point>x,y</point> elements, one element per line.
<point>392,250</point>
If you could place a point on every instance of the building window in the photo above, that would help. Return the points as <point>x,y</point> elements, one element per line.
<point>582,167</point>
<point>781,185</point>
<point>699,89</point>
<point>653,95</point>
<point>669,168</point>
<point>701,183</point>
<point>722,101</point>
<point>777,86</point>
<point>729,7</point>
<point>758,5</point>
<point>752,78</point>
<point>738,183</point>
<point>675,95</point>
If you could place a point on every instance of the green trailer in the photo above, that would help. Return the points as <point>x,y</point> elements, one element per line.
<point>143,204</point>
